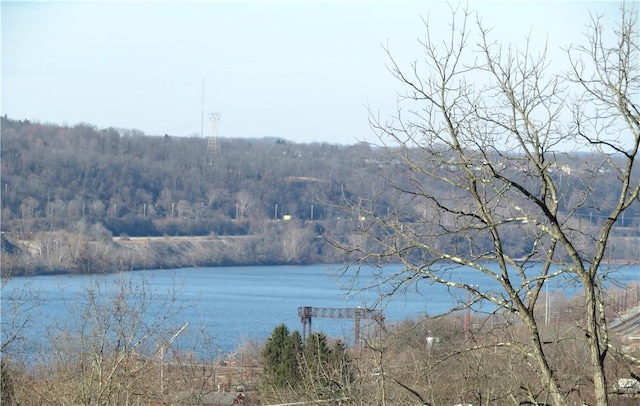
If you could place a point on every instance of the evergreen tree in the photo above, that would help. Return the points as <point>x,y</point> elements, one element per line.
<point>295,341</point>
<point>280,358</point>
<point>325,368</point>
<point>316,351</point>
<point>341,361</point>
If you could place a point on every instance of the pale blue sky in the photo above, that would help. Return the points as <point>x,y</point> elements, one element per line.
<point>303,71</point>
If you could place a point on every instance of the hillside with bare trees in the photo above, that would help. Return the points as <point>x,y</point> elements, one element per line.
<point>68,191</point>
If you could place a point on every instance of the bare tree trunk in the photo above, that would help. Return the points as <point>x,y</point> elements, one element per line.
<point>476,151</point>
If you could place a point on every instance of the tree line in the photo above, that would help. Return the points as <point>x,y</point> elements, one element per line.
<point>104,183</point>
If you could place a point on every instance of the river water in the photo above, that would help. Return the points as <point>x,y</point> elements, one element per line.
<point>233,305</point>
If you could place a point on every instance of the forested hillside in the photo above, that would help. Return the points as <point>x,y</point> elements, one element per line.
<point>66,191</point>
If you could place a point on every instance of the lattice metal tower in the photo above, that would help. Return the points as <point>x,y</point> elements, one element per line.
<point>213,146</point>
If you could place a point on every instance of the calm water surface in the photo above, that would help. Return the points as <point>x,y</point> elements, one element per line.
<point>234,304</point>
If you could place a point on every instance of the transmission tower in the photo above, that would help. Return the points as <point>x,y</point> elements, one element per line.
<point>213,147</point>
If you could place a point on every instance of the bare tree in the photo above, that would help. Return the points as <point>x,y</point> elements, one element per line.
<point>475,146</point>
<point>110,350</point>
<point>244,204</point>
<point>20,306</point>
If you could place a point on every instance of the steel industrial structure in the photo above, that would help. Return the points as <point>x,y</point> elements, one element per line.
<point>307,313</point>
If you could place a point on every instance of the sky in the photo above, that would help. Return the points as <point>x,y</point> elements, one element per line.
<point>299,70</point>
